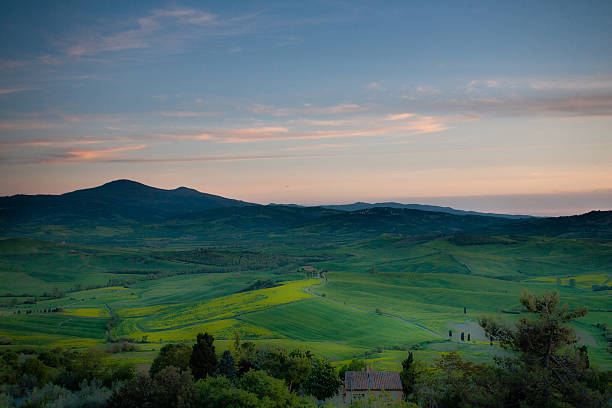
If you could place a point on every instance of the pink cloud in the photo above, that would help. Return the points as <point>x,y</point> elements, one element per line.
<point>12,90</point>
<point>322,146</point>
<point>77,156</point>
<point>400,116</point>
<point>201,136</point>
<point>408,124</point>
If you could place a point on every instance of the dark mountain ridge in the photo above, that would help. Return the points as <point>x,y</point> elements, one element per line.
<point>183,212</point>
<point>422,207</point>
<point>120,201</point>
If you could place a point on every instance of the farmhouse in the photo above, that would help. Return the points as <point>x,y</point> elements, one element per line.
<point>364,384</point>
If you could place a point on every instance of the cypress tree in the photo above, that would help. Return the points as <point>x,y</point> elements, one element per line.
<point>227,365</point>
<point>203,361</point>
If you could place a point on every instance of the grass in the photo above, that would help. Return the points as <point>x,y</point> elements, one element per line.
<point>318,320</point>
<point>416,282</point>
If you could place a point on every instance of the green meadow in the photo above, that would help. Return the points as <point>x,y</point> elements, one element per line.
<point>373,299</point>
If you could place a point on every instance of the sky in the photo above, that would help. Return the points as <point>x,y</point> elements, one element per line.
<point>480,105</point>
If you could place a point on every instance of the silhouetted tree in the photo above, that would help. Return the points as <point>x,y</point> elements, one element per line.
<point>549,370</point>
<point>203,361</point>
<point>227,365</point>
<point>408,375</point>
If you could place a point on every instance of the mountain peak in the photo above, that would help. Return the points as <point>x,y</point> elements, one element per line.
<point>123,183</point>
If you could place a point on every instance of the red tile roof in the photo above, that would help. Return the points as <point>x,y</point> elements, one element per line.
<point>372,380</point>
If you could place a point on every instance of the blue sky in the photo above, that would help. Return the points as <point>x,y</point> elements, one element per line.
<point>481,105</point>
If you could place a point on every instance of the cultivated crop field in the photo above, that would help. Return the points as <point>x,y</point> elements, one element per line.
<point>373,299</point>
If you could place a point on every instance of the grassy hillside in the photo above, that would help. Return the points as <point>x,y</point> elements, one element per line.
<point>378,297</point>
<point>117,202</point>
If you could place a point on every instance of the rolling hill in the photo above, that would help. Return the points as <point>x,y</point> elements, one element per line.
<point>120,201</point>
<point>124,212</point>
<point>422,207</point>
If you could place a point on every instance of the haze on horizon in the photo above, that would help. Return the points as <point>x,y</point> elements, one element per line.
<point>501,108</point>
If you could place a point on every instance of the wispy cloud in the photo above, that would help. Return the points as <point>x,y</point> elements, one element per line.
<point>200,136</point>
<point>314,122</point>
<point>59,142</point>
<point>400,116</point>
<point>374,86</point>
<point>322,146</point>
<point>77,156</point>
<point>407,124</point>
<point>13,90</point>
<point>186,114</point>
<point>308,109</point>
<point>108,157</point>
<point>25,124</point>
<point>161,28</point>
<point>510,97</point>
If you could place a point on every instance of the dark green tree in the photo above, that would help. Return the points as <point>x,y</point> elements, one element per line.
<point>203,361</point>
<point>354,365</point>
<point>227,365</point>
<point>138,392</point>
<point>543,334</point>
<point>219,392</point>
<point>408,376</point>
<point>550,369</point>
<point>177,355</point>
<point>292,367</point>
<point>323,381</point>
<point>35,368</point>
<point>173,388</point>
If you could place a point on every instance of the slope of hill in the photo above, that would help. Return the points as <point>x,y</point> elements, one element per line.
<point>594,224</point>
<point>375,221</point>
<point>364,206</point>
<point>119,201</point>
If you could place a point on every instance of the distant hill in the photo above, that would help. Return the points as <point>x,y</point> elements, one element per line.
<point>364,206</point>
<point>318,224</point>
<point>594,224</point>
<point>141,214</point>
<point>120,201</point>
<point>402,221</point>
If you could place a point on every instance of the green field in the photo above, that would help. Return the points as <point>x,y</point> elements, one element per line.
<point>379,297</point>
